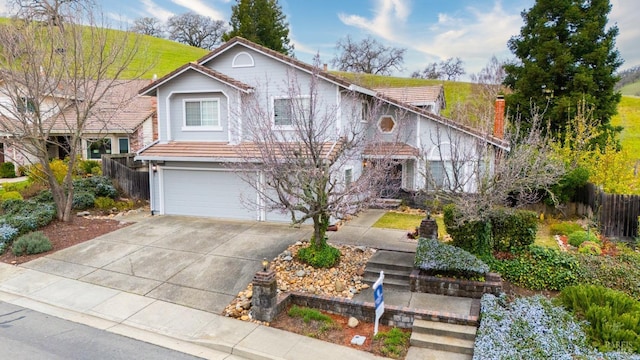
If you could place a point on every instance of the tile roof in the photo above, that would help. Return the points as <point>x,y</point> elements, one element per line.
<point>392,150</point>
<point>121,109</point>
<point>222,151</point>
<point>415,94</point>
<point>150,89</point>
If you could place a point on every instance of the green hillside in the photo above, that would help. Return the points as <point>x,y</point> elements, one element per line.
<point>154,55</point>
<point>629,117</point>
<point>454,91</point>
<point>632,89</point>
<point>162,55</point>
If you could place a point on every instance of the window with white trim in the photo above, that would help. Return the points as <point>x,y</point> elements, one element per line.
<point>26,105</point>
<point>348,177</point>
<point>202,113</point>
<point>440,173</point>
<point>285,110</point>
<point>364,117</point>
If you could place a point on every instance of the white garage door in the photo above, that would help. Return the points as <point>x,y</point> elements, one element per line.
<point>207,193</point>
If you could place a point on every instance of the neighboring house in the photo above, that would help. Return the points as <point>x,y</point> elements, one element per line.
<point>200,113</point>
<point>429,98</point>
<point>121,122</point>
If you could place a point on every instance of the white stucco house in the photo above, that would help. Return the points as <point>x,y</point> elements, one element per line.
<point>200,113</point>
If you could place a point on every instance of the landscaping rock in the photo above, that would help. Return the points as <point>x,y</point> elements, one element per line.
<point>83,213</point>
<point>353,322</point>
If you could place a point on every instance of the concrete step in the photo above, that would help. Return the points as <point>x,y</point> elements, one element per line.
<point>464,332</point>
<point>416,353</point>
<point>391,260</point>
<point>442,343</point>
<point>388,273</point>
<point>389,283</point>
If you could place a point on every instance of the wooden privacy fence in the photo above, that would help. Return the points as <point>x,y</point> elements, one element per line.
<point>617,214</point>
<point>134,183</point>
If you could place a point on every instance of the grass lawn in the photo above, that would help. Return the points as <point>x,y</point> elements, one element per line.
<point>629,117</point>
<point>544,236</point>
<point>15,186</point>
<point>408,222</point>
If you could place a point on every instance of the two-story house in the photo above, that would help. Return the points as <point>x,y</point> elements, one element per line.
<point>202,116</point>
<point>120,122</point>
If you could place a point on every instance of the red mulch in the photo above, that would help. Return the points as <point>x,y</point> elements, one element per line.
<point>66,234</point>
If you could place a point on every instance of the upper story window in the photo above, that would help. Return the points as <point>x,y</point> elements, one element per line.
<point>348,177</point>
<point>202,114</point>
<point>26,105</point>
<point>364,117</point>
<point>242,59</point>
<point>386,124</point>
<point>285,110</point>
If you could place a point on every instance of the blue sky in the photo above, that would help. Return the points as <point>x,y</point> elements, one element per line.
<point>430,30</point>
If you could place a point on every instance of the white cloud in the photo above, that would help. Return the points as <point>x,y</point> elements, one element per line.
<point>156,11</point>
<point>4,8</point>
<point>390,15</point>
<point>624,13</point>
<point>198,7</point>
<point>472,35</point>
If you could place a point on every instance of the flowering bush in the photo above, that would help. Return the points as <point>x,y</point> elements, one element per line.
<point>7,234</point>
<point>532,328</point>
<point>436,257</point>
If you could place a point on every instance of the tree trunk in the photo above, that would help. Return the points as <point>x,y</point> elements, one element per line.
<point>320,225</point>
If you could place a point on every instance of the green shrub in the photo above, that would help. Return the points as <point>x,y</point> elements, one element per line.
<point>44,196</point>
<point>578,237</point>
<point>613,317</point>
<point>23,170</point>
<point>96,185</point>
<point>83,200</point>
<point>10,195</point>
<point>565,228</point>
<point>620,273</point>
<point>513,230</point>
<point>124,205</point>
<point>7,170</point>
<point>27,215</point>
<point>58,167</point>
<point>326,257</point>
<point>441,259</point>
<point>590,248</point>
<point>7,234</point>
<point>539,268</point>
<point>31,243</point>
<point>473,236</point>
<point>85,167</point>
<point>566,188</point>
<point>104,203</point>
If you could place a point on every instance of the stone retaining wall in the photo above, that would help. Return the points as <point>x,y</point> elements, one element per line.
<point>420,282</point>
<point>398,316</point>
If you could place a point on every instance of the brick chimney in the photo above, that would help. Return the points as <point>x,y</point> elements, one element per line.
<point>498,122</point>
<point>324,67</point>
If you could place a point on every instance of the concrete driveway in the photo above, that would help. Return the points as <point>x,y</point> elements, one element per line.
<point>197,262</point>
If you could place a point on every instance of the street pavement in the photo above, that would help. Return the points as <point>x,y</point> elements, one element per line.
<point>166,279</point>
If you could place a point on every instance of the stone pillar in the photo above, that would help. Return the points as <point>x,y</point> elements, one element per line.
<point>265,295</point>
<point>428,228</point>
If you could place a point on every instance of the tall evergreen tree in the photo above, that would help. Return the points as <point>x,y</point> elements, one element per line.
<point>260,21</point>
<point>566,55</point>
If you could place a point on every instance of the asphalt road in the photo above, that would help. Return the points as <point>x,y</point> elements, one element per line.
<point>27,334</point>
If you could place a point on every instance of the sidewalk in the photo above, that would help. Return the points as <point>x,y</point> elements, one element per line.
<point>162,323</point>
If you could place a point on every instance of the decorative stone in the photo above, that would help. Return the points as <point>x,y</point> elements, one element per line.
<point>286,253</point>
<point>353,322</point>
<point>301,273</point>
<point>244,317</point>
<point>339,286</point>
<point>287,258</point>
<point>245,304</point>
<point>83,213</point>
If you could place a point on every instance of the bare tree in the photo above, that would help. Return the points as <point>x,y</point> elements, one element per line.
<point>477,110</point>
<point>148,26</point>
<point>196,30</point>
<point>51,12</point>
<point>451,68</point>
<point>431,71</point>
<point>302,154</point>
<point>481,176</point>
<point>53,77</point>
<point>367,56</point>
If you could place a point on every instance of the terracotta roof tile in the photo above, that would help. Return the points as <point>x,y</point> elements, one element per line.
<point>391,150</point>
